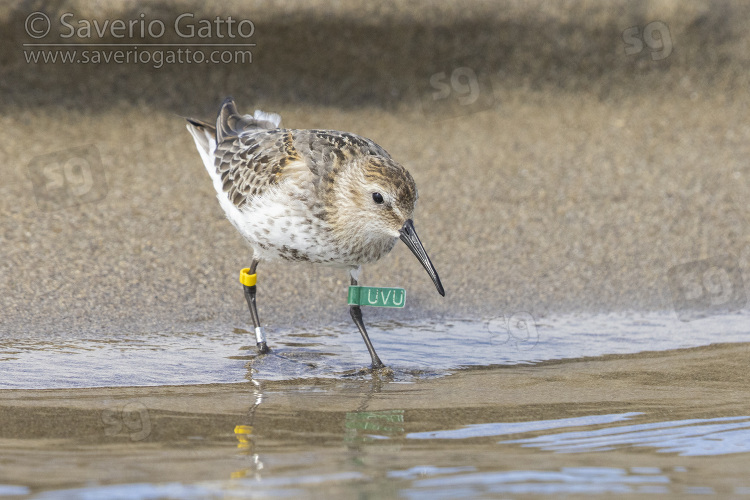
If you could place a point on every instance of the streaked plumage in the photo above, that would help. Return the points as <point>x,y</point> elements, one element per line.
<point>308,195</point>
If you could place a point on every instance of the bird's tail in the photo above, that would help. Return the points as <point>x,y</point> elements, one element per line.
<point>204,135</point>
<point>229,124</point>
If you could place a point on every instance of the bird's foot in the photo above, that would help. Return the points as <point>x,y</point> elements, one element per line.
<point>381,371</point>
<point>263,348</point>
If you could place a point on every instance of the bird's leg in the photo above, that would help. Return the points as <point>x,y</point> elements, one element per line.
<point>260,338</point>
<point>356,313</point>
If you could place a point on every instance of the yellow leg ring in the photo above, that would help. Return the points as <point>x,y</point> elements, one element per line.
<point>247,279</point>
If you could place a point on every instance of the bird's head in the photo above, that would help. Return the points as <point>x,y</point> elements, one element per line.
<point>375,199</point>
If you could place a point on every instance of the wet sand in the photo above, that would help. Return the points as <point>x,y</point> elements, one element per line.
<point>583,180</point>
<point>57,439</point>
<point>576,187</point>
<point>563,216</point>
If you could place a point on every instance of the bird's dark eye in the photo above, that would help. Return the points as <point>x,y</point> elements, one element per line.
<point>377,198</point>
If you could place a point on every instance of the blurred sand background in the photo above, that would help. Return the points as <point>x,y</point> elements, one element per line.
<point>582,176</point>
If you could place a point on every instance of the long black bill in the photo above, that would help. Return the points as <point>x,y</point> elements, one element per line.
<point>409,236</point>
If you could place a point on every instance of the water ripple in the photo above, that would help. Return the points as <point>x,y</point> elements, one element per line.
<point>225,354</point>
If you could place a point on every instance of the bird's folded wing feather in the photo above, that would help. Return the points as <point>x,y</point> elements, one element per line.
<point>257,159</point>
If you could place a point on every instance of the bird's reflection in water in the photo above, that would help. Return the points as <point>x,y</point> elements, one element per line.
<point>376,431</point>
<point>365,431</point>
<point>246,439</point>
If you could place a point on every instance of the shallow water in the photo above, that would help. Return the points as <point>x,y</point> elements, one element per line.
<point>572,406</point>
<point>380,439</point>
<point>225,354</point>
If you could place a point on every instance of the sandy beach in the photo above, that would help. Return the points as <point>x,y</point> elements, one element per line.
<point>578,186</point>
<point>588,158</point>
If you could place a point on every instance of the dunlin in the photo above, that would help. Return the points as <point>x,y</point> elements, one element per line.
<point>319,196</point>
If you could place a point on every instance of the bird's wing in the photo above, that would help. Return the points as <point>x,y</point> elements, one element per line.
<point>251,156</point>
<point>325,151</point>
<point>252,153</point>
<point>252,163</point>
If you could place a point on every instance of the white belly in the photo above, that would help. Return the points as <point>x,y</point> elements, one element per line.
<point>280,225</point>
